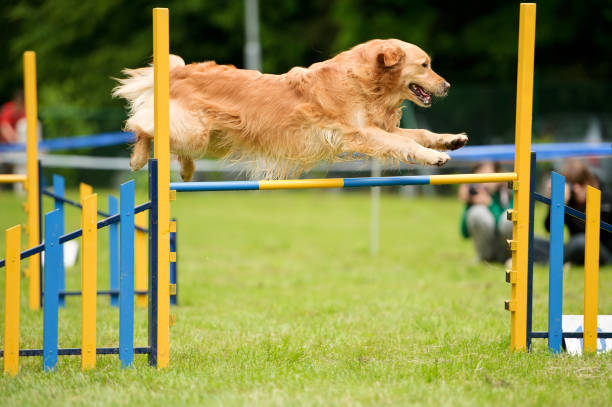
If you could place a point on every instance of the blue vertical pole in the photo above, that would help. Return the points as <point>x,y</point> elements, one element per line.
<point>532,183</point>
<point>126,291</point>
<point>59,189</point>
<point>54,258</point>
<point>173,266</point>
<point>40,229</point>
<point>152,317</point>
<point>555,274</point>
<point>113,247</point>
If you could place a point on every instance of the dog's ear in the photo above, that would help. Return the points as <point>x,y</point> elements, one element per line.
<point>390,55</point>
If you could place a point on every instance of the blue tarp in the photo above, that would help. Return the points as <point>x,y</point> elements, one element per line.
<point>545,151</point>
<point>72,143</point>
<point>497,152</point>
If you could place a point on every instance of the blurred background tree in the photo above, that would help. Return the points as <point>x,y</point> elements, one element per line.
<point>82,45</point>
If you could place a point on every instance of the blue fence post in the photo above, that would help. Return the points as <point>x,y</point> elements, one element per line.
<point>59,189</point>
<point>174,265</point>
<point>113,247</point>
<point>152,314</point>
<point>555,274</point>
<point>40,228</point>
<point>532,183</point>
<point>126,292</point>
<point>54,259</point>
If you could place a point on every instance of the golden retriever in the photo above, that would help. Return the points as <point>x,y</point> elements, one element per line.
<point>285,124</point>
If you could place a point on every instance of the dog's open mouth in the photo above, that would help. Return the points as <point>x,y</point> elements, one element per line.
<point>423,96</point>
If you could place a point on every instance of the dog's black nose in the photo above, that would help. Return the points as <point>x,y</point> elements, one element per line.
<point>446,86</point>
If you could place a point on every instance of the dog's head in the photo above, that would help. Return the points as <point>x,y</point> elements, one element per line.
<point>405,69</point>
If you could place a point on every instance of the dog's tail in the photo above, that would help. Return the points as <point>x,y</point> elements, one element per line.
<point>137,86</point>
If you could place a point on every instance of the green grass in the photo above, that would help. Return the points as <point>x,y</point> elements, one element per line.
<point>281,304</point>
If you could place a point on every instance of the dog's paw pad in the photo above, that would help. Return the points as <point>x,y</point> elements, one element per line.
<point>439,159</point>
<point>457,141</point>
<point>442,159</point>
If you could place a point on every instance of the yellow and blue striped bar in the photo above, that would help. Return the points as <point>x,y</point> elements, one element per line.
<point>302,183</point>
<point>591,268</point>
<point>11,300</point>
<point>12,178</point>
<point>343,182</point>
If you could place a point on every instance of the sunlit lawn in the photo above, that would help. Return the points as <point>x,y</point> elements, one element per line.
<point>281,303</point>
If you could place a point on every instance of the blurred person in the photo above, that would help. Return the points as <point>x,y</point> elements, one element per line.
<point>484,218</point>
<point>13,129</point>
<point>577,177</point>
<point>10,114</point>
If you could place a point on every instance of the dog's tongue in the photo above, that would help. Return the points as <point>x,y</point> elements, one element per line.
<point>420,93</point>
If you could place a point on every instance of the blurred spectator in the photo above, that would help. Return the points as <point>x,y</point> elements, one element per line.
<point>577,177</point>
<point>10,114</point>
<point>13,129</point>
<point>484,217</point>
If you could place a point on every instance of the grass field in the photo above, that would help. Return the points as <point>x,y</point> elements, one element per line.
<point>281,304</point>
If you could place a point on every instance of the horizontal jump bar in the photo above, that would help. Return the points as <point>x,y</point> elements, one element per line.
<point>12,178</point>
<point>101,292</point>
<point>77,351</point>
<point>78,205</point>
<point>77,233</point>
<point>342,182</point>
<point>578,335</point>
<point>573,212</point>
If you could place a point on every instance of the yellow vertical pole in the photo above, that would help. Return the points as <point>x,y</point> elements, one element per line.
<point>591,268</point>
<point>522,146</point>
<point>11,300</point>
<point>89,275</point>
<point>161,50</point>
<point>140,259</point>
<point>85,190</point>
<point>31,185</point>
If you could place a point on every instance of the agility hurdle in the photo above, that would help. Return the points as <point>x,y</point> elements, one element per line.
<point>520,276</point>
<point>52,247</point>
<point>140,246</point>
<point>593,225</point>
<point>520,178</point>
<point>33,207</point>
<point>160,231</point>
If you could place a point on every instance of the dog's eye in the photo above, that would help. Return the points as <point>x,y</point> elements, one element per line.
<point>424,64</point>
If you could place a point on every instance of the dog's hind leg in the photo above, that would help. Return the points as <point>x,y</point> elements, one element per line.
<point>187,167</point>
<point>429,139</point>
<point>141,151</point>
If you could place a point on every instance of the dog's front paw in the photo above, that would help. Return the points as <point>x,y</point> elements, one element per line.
<point>455,141</point>
<point>436,158</point>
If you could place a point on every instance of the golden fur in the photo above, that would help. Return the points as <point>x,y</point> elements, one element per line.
<point>285,124</point>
